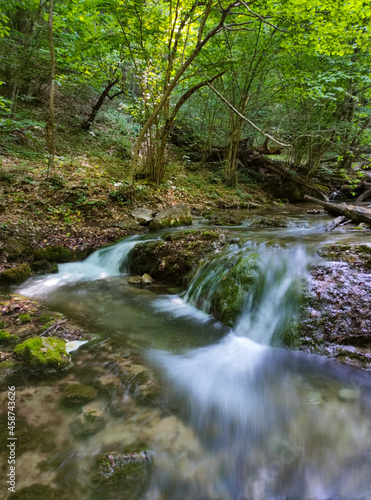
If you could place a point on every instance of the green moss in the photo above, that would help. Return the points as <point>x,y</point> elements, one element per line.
<point>44,318</point>
<point>43,354</point>
<point>231,292</point>
<point>7,368</point>
<point>16,275</point>
<point>25,318</point>
<point>3,324</point>
<point>75,394</point>
<point>36,492</point>
<point>8,338</point>
<point>54,254</point>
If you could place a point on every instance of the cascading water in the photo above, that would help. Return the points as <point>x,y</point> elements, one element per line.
<point>261,422</point>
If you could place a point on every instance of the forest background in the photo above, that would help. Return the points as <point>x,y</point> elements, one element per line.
<point>110,104</point>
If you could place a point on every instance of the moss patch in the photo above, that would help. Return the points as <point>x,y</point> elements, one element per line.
<point>16,275</point>
<point>76,394</point>
<point>43,354</point>
<point>8,338</point>
<point>54,254</point>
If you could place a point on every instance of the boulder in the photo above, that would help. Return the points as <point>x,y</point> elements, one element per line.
<point>177,215</point>
<point>16,275</point>
<point>146,279</point>
<point>142,215</point>
<point>75,394</point>
<point>43,355</point>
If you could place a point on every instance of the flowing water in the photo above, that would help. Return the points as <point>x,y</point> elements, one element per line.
<point>237,418</point>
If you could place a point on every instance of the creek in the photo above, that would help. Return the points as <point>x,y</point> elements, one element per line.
<point>237,417</point>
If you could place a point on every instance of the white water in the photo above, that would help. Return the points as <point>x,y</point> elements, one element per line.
<point>101,264</point>
<point>269,422</point>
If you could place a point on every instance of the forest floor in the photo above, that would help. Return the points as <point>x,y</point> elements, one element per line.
<point>85,201</point>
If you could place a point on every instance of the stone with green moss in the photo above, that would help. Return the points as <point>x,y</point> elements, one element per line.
<point>16,275</point>
<point>76,394</point>
<point>129,472</point>
<point>177,215</point>
<point>8,338</point>
<point>54,254</point>
<point>230,295</point>
<point>25,318</point>
<point>37,492</point>
<point>7,368</point>
<point>43,355</point>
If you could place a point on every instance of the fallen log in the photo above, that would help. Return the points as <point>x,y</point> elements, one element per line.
<point>335,223</point>
<point>356,214</point>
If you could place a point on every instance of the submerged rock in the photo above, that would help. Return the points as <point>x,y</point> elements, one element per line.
<point>177,215</point>
<point>43,355</point>
<point>92,420</point>
<point>76,394</point>
<point>37,492</point>
<point>124,475</point>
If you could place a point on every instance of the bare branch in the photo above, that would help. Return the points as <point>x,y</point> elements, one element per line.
<point>246,119</point>
<point>263,19</point>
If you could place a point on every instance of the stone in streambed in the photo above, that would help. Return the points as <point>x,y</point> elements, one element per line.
<point>75,394</point>
<point>43,355</point>
<point>16,275</point>
<point>177,215</point>
<point>142,215</point>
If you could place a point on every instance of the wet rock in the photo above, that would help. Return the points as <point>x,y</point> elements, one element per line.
<point>92,420</point>
<point>348,395</point>
<point>14,248</point>
<point>174,260</point>
<point>77,394</point>
<point>54,254</point>
<point>142,215</point>
<point>8,367</point>
<point>135,280</point>
<point>146,279</point>
<point>177,215</point>
<point>269,221</point>
<point>124,475</point>
<point>43,355</point>
<point>38,492</point>
<point>138,380</point>
<point>16,275</point>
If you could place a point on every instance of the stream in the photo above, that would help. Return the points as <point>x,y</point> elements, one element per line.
<point>235,417</point>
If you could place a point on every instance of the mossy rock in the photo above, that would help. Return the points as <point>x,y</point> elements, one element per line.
<point>24,318</point>
<point>16,275</point>
<point>37,492</point>
<point>7,368</point>
<point>43,355</point>
<point>76,394</point>
<point>125,474</point>
<point>54,254</point>
<point>8,338</point>
<point>177,215</point>
<point>230,295</point>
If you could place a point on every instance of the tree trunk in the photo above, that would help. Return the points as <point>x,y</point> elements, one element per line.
<point>88,123</point>
<point>356,214</point>
<point>50,126</point>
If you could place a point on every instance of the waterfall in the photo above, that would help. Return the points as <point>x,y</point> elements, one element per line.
<point>255,289</point>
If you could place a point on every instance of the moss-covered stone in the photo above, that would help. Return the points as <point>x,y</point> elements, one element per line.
<point>54,254</point>
<point>24,318</point>
<point>8,338</point>
<point>76,394</point>
<point>7,368</point>
<point>37,492</point>
<point>129,473</point>
<point>16,275</point>
<point>177,215</point>
<point>43,355</point>
<point>176,258</point>
<point>231,293</point>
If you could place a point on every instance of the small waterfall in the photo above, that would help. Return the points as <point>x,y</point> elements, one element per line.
<point>109,261</point>
<point>256,290</point>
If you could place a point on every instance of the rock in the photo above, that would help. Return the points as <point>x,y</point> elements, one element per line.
<point>43,355</point>
<point>129,473</point>
<point>54,254</point>
<point>135,280</point>
<point>16,275</point>
<point>75,394</point>
<point>92,420</point>
<point>348,395</point>
<point>7,338</point>
<point>142,215</point>
<point>37,491</point>
<point>14,248</point>
<point>177,215</point>
<point>146,279</point>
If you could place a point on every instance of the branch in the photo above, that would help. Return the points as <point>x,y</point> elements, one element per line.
<point>246,119</point>
<point>263,19</point>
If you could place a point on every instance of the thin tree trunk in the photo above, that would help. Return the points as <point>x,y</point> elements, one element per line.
<point>88,123</point>
<point>50,126</point>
